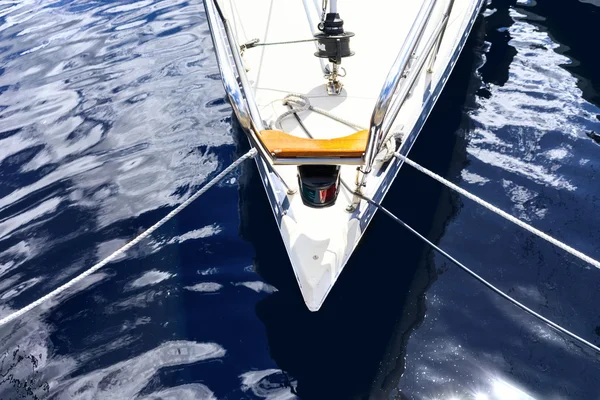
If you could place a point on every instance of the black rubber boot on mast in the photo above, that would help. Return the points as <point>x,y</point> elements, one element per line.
<point>333,24</point>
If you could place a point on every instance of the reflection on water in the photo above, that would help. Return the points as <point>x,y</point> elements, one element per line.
<point>129,378</point>
<point>529,152</point>
<point>112,112</point>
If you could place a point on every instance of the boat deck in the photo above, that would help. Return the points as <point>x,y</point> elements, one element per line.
<point>276,71</point>
<point>319,241</point>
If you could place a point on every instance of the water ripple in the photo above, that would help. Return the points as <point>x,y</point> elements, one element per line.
<point>105,122</point>
<point>543,101</point>
<point>529,151</point>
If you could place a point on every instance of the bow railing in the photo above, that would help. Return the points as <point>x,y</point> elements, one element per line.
<point>402,76</point>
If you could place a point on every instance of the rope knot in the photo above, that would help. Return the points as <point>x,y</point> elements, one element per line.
<point>297,101</point>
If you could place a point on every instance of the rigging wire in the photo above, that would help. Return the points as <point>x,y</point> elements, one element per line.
<point>256,43</point>
<point>499,292</point>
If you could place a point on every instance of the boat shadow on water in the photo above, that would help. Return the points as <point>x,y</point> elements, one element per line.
<point>354,346</point>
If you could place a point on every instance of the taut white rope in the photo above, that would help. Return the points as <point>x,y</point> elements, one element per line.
<point>250,154</point>
<point>503,214</point>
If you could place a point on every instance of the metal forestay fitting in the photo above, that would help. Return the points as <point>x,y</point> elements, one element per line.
<point>520,305</point>
<point>250,154</point>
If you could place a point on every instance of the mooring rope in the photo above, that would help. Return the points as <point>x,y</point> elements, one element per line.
<point>500,212</point>
<point>476,276</point>
<point>250,154</point>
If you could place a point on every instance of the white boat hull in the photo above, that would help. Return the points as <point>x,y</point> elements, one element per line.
<point>319,241</point>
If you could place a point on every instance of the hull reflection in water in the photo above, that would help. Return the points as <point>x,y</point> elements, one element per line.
<point>355,344</point>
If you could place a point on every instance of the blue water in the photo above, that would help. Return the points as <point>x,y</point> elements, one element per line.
<point>112,113</point>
